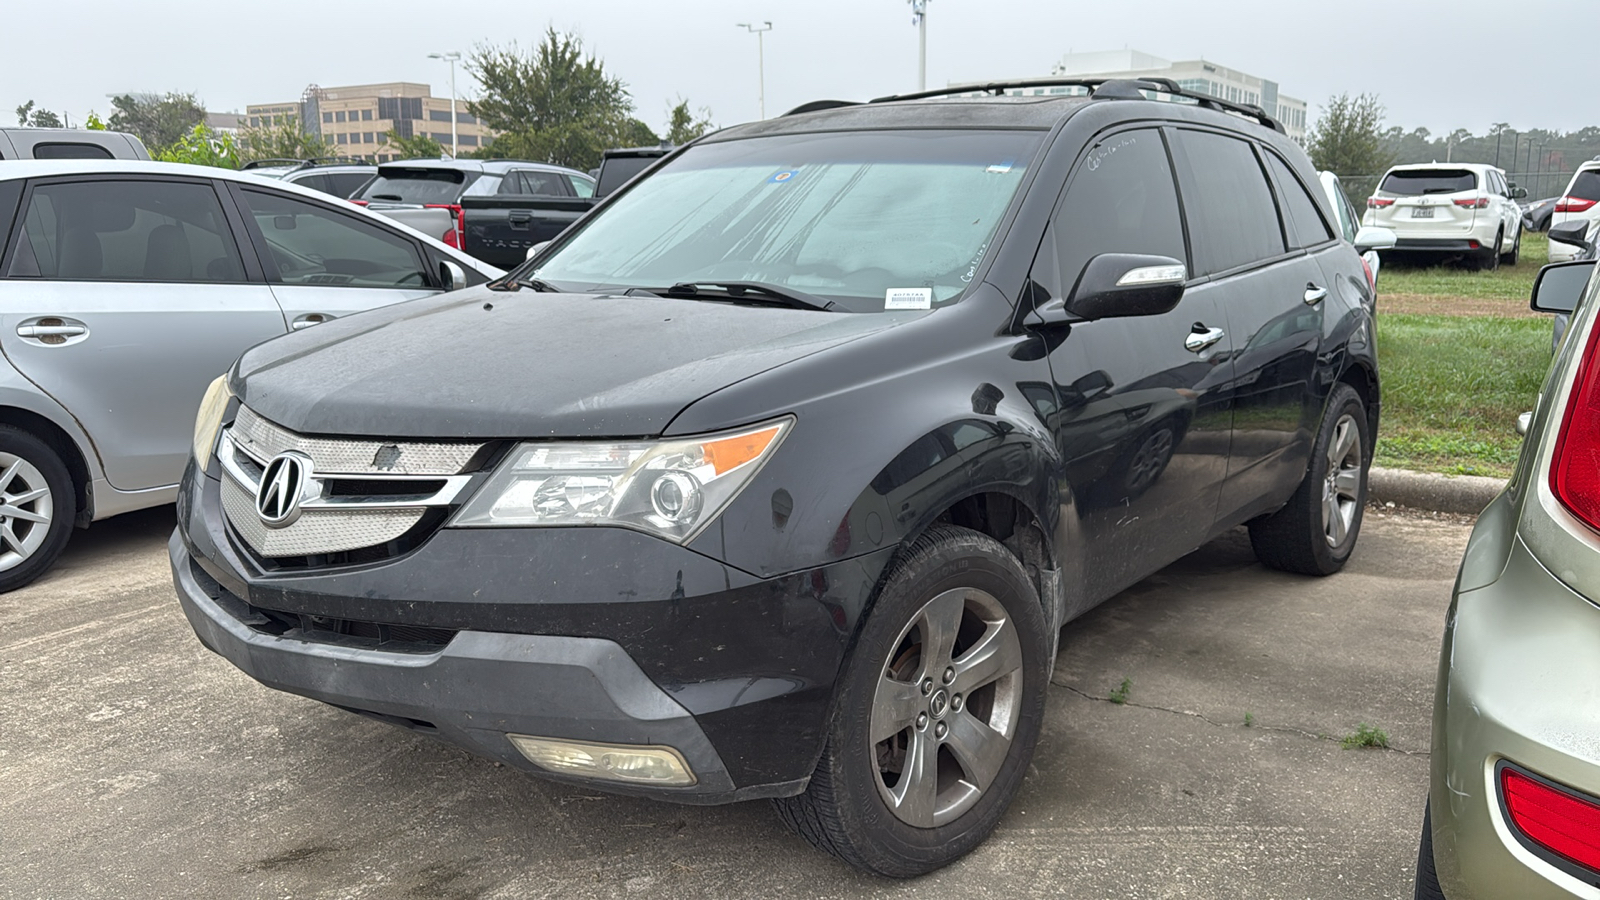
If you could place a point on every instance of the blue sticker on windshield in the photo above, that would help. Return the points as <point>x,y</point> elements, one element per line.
<point>785,175</point>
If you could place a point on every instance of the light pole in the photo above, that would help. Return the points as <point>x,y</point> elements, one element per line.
<point>761,60</point>
<point>451,56</point>
<point>919,18</point>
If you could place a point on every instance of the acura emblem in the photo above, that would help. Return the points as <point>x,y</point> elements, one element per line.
<point>282,484</point>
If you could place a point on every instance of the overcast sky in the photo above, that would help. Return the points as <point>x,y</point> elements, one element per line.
<point>1441,65</point>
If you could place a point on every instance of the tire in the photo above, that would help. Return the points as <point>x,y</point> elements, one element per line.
<point>1426,886</point>
<point>38,505</point>
<point>1510,259</point>
<point>1489,258</point>
<point>863,804</point>
<point>1314,533</point>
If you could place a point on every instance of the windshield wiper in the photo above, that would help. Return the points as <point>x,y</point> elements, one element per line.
<point>517,284</point>
<point>753,290</point>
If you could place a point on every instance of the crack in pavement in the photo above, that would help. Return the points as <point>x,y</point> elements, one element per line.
<point>1285,729</point>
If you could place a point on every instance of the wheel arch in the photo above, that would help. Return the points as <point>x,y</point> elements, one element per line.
<point>65,446</point>
<point>1362,377</point>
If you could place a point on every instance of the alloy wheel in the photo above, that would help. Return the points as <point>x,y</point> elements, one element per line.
<point>946,707</point>
<point>1341,489</point>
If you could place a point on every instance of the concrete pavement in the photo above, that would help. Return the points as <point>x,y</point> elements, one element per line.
<point>134,763</point>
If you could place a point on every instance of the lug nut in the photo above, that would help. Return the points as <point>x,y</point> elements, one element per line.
<point>955,703</point>
<point>927,686</point>
<point>922,721</point>
<point>940,730</point>
<point>949,674</point>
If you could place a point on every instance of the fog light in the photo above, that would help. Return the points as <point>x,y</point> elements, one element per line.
<point>629,763</point>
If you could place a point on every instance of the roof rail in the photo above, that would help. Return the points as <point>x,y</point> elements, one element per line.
<point>1102,89</point>
<point>819,105</point>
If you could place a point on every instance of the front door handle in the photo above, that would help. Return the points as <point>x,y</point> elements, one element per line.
<point>1315,294</point>
<point>1202,337</point>
<point>308,320</point>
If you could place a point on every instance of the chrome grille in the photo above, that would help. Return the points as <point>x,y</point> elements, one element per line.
<point>360,493</point>
<point>264,440</point>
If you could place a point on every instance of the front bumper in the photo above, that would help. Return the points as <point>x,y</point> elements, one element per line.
<point>1519,681</point>
<point>593,634</point>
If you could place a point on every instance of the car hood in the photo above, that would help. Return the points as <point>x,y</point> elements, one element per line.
<point>484,364</point>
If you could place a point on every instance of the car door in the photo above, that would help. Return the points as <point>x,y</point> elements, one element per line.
<point>1144,421</point>
<point>323,262</point>
<point>122,299</point>
<point>1272,290</point>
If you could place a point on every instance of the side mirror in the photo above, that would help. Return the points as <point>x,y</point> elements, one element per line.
<point>1560,286</point>
<point>1576,233</point>
<point>1518,193</point>
<point>451,276</point>
<point>1372,237</point>
<point>1119,284</point>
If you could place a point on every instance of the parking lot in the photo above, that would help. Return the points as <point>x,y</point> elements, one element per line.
<point>138,764</point>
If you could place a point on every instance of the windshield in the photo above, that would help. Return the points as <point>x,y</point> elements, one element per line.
<point>1415,182</point>
<point>415,186</point>
<point>872,220</point>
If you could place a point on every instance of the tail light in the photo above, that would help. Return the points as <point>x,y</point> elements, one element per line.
<point>1372,282</point>
<point>1573,204</point>
<point>1561,821</point>
<point>457,236</point>
<point>1575,466</point>
<point>1379,202</point>
<point>1474,203</point>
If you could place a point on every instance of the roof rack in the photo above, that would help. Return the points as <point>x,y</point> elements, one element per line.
<point>305,163</point>
<point>1101,89</point>
<point>819,105</point>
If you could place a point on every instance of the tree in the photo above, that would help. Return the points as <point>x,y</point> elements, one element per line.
<point>556,105</point>
<point>203,147</point>
<point>683,127</point>
<point>159,122</point>
<point>286,140</point>
<point>37,118</point>
<point>417,147</point>
<point>1348,138</point>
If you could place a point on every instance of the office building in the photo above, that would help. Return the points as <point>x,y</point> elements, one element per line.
<point>355,118</point>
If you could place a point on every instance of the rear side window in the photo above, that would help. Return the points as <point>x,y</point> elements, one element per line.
<point>315,182</point>
<point>1122,200</point>
<point>345,184</point>
<point>581,187</point>
<point>1232,219</point>
<point>542,184</point>
<point>310,244</point>
<point>1586,186</point>
<point>416,186</point>
<point>1416,182</point>
<point>126,231</point>
<point>70,150</point>
<point>1306,227</point>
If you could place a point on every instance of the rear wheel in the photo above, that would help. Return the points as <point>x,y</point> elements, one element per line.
<point>1489,257</point>
<point>939,709</point>
<point>1316,531</point>
<point>37,507</point>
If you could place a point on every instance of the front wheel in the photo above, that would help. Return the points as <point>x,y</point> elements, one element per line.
<point>37,507</point>
<point>1510,259</point>
<point>939,709</point>
<point>1489,257</point>
<point>1316,531</point>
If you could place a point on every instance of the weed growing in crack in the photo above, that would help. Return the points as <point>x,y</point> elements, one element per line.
<point>1249,720</point>
<point>1120,695</point>
<point>1366,736</point>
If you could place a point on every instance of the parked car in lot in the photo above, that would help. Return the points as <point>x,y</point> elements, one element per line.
<point>1585,236</point>
<point>1536,214</point>
<point>1580,202</point>
<point>1461,209</point>
<point>623,164</point>
<point>124,288</point>
<point>69,143</point>
<point>778,476</point>
<point>341,177</point>
<point>1367,239</point>
<point>1514,800</point>
<point>494,210</point>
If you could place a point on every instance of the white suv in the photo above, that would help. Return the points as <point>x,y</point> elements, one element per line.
<point>1580,202</point>
<point>1464,208</point>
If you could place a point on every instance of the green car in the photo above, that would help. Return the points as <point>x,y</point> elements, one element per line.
<point>1514,797</point>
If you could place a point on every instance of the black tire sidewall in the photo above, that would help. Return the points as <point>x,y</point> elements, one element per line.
<point>959,559</point>
<point>63,498</point>
<point>1343,400</point>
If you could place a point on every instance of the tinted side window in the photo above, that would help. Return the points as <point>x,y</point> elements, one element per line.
<point>1232,219</point>
<point>581,187</point>
<point>345,184</point>
<point>314,245</point>
<point>1306,226</point>
<point>126,231</point>
<point>1121,200</point>
<point>70,150</point>
<point>314,182</point>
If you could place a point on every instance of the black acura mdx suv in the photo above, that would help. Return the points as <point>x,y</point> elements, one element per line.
<point>778,473</point>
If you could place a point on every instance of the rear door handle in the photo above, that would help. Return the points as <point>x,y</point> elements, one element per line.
<point>1315,294</point>
<point>52,330</point>
<point>1202,337</point>
<point>308,320</point>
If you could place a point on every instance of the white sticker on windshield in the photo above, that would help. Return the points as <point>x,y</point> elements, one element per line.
<point>999,168</point>
<point>908,298</point>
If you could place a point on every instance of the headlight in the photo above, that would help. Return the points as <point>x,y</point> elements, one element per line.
<point>672,488</point>
<point>212,408</point>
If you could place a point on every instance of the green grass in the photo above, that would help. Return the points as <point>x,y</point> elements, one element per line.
<point>1453,387</point>
<point>1120,695</point>
<point>1512,283</point>
<point>1366,736</point>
